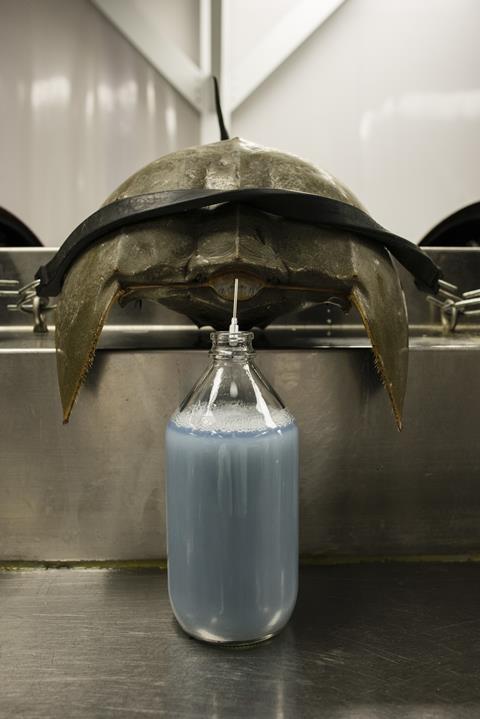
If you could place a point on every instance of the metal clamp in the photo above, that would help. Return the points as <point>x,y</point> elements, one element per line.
<point>454,304</point>
<point>28,301</point>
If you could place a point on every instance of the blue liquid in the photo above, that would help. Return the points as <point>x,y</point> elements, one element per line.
<point>232,531</point>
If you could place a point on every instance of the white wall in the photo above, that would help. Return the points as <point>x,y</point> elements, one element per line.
<point>385,95</point>
<point>80,110</point>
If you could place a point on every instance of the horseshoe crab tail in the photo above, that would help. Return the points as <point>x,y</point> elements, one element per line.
<point>381,306</point>
<point>89,291</point>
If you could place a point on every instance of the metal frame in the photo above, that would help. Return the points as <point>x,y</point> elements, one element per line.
<point>236,84</point>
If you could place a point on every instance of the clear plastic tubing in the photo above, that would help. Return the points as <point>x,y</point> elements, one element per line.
<point>232,502</point>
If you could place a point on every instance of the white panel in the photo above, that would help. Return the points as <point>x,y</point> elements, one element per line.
<point>386,95</point>
<point>150,36</point>
<point>250,21</point>
<point>277,45</point>
<point>177,19</point>
<point>80,110</point>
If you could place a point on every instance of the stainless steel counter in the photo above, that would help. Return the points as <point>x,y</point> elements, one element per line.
<point>365,642</point>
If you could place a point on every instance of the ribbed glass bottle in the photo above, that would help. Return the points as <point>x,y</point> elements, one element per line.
<point>232,501</point>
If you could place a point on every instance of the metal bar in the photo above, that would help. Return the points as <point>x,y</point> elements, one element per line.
<point>450,295</point>
<point>208,119</point>
<point>467,303</point>
<point>447,286</point>
<point>471,293</point>
<point>434,301</point>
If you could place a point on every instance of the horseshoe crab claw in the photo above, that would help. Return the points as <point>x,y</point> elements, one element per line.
<point>187,260</point>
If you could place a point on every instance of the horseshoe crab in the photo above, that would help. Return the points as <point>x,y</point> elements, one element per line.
<point>187,257</point>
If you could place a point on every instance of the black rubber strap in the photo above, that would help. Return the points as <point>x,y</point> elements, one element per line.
<point>300,206</point>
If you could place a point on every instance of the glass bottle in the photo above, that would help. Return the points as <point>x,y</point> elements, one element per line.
<point>232,501</point>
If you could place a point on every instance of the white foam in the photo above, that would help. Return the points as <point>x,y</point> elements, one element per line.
<point>234,417</point>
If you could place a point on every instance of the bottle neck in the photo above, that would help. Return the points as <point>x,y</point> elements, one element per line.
<point>237,347</point>
<point>231,384</point>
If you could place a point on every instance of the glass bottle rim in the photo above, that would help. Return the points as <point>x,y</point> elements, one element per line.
<point>229,344</point>
<point>224,336</point>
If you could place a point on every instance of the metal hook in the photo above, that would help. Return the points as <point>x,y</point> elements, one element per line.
<point>452,304</point>
<point>29,302</point>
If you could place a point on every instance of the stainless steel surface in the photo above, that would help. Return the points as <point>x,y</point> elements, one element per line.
<point>365,642</point>
<point>365,489</point>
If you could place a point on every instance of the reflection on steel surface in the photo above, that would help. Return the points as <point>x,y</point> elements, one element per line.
<point>98,490</point>
<point>365,642</point>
